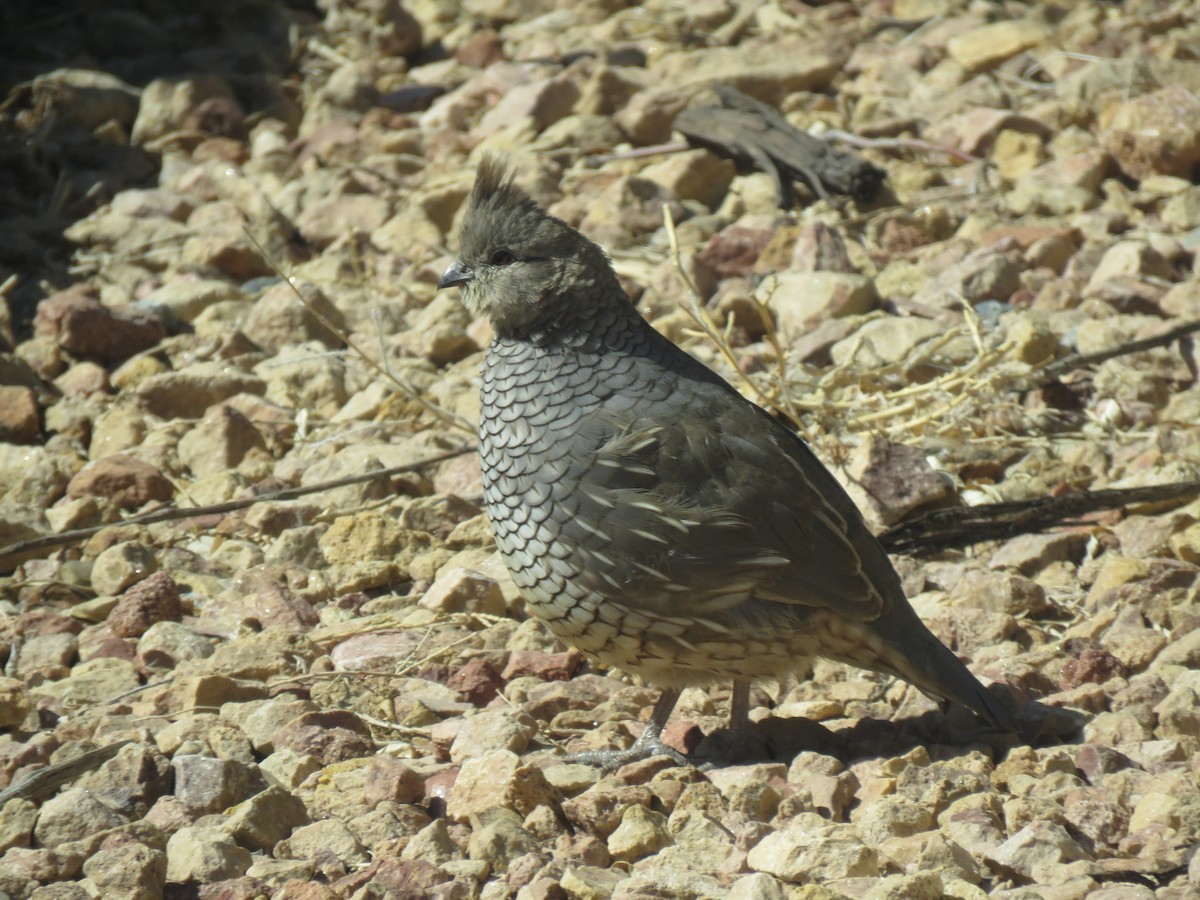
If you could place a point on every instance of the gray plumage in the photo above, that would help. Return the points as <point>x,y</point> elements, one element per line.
<point>649,514</point>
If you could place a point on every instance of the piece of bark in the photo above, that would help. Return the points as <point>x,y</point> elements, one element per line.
<point>753,133</point>
<point>961,526</point>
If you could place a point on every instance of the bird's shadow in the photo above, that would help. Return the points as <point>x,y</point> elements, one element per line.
<point>778,739</point>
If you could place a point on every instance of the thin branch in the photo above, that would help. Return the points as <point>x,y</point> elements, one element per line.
<point>854,140</point>
<point>962,526</point>
<point>1060,367</point>
<point>169,514</point>
<point>43,781</point>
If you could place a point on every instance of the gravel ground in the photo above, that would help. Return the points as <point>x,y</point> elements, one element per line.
<point>255,638</point>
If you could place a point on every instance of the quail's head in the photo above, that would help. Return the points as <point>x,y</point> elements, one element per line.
<point>519,265</point>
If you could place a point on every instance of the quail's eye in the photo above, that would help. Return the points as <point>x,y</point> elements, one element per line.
<point>501,258</point>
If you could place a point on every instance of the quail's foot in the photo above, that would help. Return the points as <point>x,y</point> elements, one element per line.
<point>648,744</point>
<point>737,743</point>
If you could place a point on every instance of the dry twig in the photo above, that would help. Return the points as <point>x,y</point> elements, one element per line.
<point>169,514</point>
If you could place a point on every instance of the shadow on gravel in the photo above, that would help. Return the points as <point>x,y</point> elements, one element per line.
<point>71,73</point>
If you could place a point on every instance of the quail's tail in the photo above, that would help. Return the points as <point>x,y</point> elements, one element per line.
<point>922,660</point>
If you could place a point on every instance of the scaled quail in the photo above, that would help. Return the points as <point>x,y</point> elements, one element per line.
<point>650,515</point>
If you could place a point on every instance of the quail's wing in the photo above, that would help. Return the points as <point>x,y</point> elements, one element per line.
<point>720,503</point>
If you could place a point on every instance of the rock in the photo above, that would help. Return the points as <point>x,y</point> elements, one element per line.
<point>463,590</point>
<point>47,656</point>
<point>86,328</point>
<point>768,73</point>
<point>19,422</point>
<point>152,600</point>
<point>800,300</point>
<point>305,377</point>
<point>734,251</point>
<point>265,819</point>
<point>73,815</point>
<point>14,704</point>
<point>87,97</point>
<point>289,769</point>
<point>166,644</point>
<point>500,840</point>
<point>985,46</point>
<point>391,781</point>
<point>204,854</point>
<point>541,665</point>
<point>626,210</point>
<point>693,175</point>
<point>219,442</point>
<point>1062,186</point>
<point>881,342</point>
<point>329,836</point>
<point>201,102</point>
<point>189,393</point>
<point>488,732</point>
<point>1030,553</point>
<point>82,380</point>
<point>985,274</point>
<point>1156,133</point>
<point>187,298</point>
<point>891,480</point>
<point>204,784</point>
<point>641,833</point>
<point>544,102</point>
<point>17,818</point>
<point>433,844</point>
<point>810,850</point>
<point>498,779</point>
<point>478,681</point>
<point>1038,851</point>
<point>381,28</point>
<point>128,870</point>
<point>600,809</point>
<point>124,565</point>
<point>329,736</point>
<point>591,882</point>
<point>1000,592</point>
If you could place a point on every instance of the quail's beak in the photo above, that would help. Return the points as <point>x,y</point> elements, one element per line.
<point>456,274</point>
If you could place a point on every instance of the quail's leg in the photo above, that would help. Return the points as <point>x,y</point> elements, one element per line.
<point>648,744</point>
<point>739,712</point>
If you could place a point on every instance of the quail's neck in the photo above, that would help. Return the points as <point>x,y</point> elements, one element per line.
<point>582,323</point>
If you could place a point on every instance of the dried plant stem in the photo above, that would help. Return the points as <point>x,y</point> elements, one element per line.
<point>705,321</point>
<point>155,516</point>
<point>450,418</point>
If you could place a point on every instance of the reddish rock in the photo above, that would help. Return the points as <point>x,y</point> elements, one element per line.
<point>733,251</point>
<point>85,327</point>
<point>480,50</point>
<point>331,736</point>
<point>154,599</point>
<point>820,248</point>
<point>891,480</point>
<point>437,789</point>
<point>41,622</point>
<point>389,780</point>
<point>18,415</point>
<point>477,681</point>
<point>127,482</point>
<point>109,648</point>
<point>1095,665</point>
<point>546,666</point>
<point>413,879</point>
